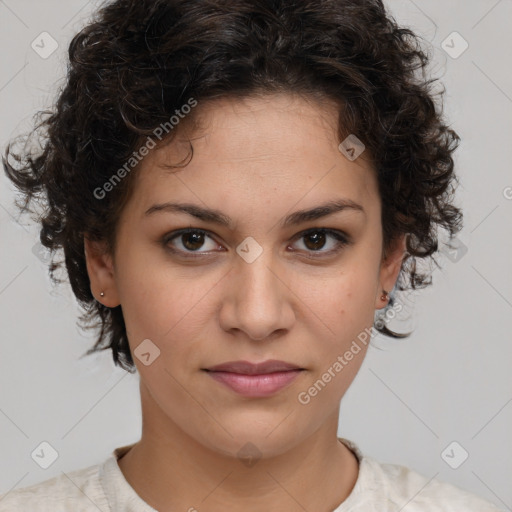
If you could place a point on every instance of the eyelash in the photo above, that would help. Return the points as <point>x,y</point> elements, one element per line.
<point>342,240</point>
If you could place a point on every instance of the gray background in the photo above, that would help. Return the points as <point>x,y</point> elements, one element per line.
<point>450,381</point>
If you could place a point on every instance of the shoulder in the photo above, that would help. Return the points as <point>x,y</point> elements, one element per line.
<point>403,486</point>
<point>393,488</point>
<point>78,490</point>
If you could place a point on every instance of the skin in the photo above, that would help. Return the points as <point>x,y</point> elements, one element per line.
<point>256,160</point>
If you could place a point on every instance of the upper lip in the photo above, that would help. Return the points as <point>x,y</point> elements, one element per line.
<point>248,368</point>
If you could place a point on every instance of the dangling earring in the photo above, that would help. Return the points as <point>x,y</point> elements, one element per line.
<point>384,295</point>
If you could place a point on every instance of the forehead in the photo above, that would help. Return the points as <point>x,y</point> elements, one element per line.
<point>272,150</point>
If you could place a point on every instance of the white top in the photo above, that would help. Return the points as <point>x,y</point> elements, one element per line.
<point>379,488</point>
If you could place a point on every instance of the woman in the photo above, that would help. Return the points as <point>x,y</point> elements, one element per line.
<point>238,188</point>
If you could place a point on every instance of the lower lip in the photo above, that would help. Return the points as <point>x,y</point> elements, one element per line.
<point>255,385</point>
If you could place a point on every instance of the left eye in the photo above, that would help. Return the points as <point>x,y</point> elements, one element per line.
<point>316,238</point>
<point>191,240</point>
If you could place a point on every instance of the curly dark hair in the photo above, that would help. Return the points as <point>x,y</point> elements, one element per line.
<point>139,61</point>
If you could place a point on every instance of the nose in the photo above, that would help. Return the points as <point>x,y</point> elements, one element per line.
<point>258,300</point>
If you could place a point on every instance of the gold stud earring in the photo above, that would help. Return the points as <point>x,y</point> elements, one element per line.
<point>384,295</point>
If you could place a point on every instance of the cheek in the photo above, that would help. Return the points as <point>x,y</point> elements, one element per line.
<point>165,307</point>
<point>347,316</point>
<point>342,303</point>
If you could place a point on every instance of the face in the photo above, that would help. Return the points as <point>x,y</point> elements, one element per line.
<point>266,284</point>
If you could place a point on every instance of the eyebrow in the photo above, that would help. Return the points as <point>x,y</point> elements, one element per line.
<point>298,217</point>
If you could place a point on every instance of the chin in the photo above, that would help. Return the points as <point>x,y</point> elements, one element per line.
<point>252,439</point>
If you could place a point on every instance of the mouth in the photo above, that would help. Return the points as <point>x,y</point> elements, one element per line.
<point>255,379</point>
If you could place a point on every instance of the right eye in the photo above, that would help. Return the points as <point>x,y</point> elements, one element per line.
<point>190,241</point>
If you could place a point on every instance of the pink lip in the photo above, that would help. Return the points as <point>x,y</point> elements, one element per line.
<point>255,379</point>
<point>248,368</point>
<point>255,385</point>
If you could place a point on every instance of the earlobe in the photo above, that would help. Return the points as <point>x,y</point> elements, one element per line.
<point>100,268</point>
<point>389,270</point>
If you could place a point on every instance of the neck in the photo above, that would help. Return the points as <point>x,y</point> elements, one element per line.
<point>171,470</point>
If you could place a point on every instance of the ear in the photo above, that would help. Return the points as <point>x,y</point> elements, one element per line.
<point>390,268</point>
<point>100,268</point>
